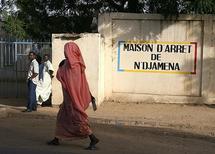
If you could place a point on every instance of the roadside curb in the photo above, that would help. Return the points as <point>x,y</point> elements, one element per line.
<point>202,130</point>
<point>129,121</point>
<point>3,112</point>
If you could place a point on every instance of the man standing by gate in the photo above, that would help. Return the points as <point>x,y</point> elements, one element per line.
<point>32,81</point>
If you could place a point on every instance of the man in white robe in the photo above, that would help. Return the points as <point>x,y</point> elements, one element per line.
<point>44,87</point>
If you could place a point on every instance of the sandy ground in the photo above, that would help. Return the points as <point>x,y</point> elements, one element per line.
<point>28,135</point>
<point>189,118</point>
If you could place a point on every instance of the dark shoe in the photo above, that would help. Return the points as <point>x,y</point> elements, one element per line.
<point>91,147</point>
<point>27,110</point>
<point>55,141</point>
<point>44,105</point>
<point>93,142</point>
<point>34,109</point>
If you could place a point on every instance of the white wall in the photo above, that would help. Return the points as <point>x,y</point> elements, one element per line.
<point>110,71</point>
<point>181,86</point>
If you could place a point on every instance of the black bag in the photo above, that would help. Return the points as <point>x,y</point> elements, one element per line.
<point>93,100</point>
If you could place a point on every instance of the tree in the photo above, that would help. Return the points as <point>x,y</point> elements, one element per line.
<point>40,18</point>
<point>11,24</point>
<point>14,27</point>
<point>176,7</point>
<point>165,7</point>
<point>44,17</point>
<point>200,6</point>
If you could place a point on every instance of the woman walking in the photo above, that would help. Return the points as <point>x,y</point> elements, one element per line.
<point>72,121</point>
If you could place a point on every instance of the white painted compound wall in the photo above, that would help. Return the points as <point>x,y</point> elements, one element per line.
<point>193,83</point>
<point>112,59</point>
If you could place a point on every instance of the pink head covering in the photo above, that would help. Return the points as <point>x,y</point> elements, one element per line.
<point>73,54</point>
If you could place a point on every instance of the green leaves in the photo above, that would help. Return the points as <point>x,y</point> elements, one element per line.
<point>14,26</point>
<point>38,19</point>
<point>201,6</point>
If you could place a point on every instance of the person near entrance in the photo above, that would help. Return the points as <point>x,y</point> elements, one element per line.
<point>44,87</point>
<point>32,80</point>
<point>72,120</point>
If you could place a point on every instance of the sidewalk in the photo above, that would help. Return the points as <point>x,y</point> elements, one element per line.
<point>189,118</point>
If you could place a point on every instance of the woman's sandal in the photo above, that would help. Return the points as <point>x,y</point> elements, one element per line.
<point>55,141</point>
<point>92,145</point>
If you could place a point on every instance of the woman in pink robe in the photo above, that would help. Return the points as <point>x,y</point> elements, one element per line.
<point>72,121</point>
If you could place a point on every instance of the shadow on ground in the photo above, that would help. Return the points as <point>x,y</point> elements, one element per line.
<point>17,102</point>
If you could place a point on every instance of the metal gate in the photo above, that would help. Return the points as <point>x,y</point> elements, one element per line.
<point>14,65</point>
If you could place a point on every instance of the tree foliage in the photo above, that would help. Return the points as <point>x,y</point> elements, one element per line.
<point>14,26</point>
<point>200,6</point>
<point>40,18</point>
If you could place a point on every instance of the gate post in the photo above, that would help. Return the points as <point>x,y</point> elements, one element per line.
<point>15,52</point>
